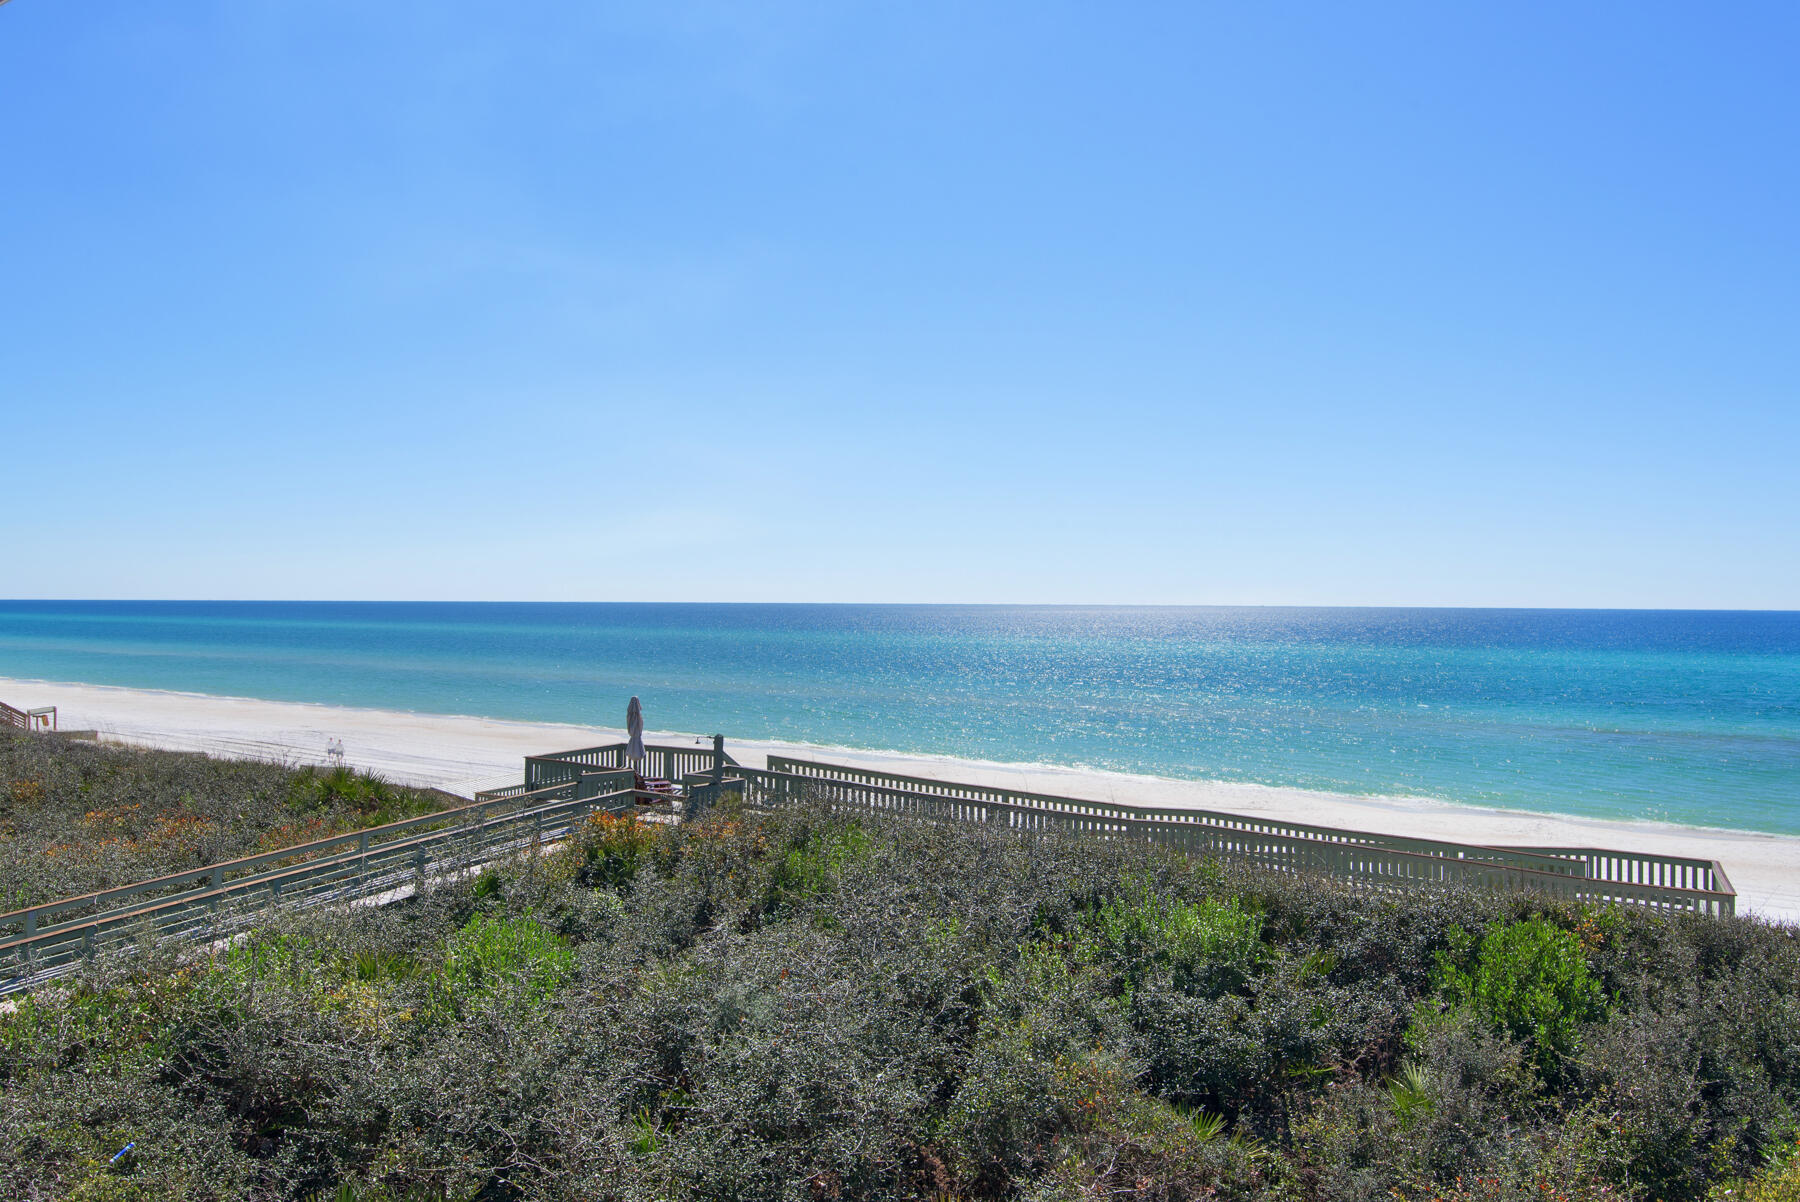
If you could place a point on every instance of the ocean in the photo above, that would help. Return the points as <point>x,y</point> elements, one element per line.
<point>1685,717</point>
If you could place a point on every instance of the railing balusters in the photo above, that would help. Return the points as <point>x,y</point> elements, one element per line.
<point>1658,882</point>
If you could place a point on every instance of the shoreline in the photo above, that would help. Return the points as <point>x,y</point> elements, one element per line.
<point>461,754</point>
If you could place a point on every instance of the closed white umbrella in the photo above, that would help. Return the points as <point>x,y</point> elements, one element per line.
<point>634,727</point>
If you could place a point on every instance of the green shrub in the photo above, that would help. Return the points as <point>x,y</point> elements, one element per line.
<point>1779,1181</point>
<point>1529,979</point>
<point>1207,946</point>
<point>1410,1091</point>
<point>613,847</point>
<point>517,954</point>
<point>316,791</point>
<point>1259,1053</point>
<point>809,870</point>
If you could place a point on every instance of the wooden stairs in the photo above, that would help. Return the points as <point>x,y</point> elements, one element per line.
<point>37,719</point>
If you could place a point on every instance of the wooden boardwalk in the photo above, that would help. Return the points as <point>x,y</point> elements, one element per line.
<point>562,789</point>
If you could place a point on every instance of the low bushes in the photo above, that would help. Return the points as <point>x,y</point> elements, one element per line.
<point>76,817</point>
<point>491,955</point>
<point>1205,947</point>
<point>802,1007</point>
<point>1529,979</point>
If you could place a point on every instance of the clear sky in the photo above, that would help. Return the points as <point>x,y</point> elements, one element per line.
<point>1234,303</point>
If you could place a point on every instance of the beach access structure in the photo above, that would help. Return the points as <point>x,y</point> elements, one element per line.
<point>563,789</point>
<point>668,763</point>
<point>385,863</point>
<point>43,718</point>
<point>1666,884</point>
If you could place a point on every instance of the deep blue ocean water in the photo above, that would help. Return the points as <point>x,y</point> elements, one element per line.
<point>1673,716</point>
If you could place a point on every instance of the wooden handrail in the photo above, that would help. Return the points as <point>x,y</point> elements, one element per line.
<point>1697,883</point>
<point>1241,825</point>
<point>33,719</point>
<point>368,837</point>
<point>670,761</point>
<point>1623,867</point>
<point>55,948</point>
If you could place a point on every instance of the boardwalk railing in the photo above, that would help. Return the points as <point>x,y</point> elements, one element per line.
<point>1642,868</point>
<point>660,761</point>
<point>813,769</point>
<point>212,902</point>
<point>43,718</point>
<point>561,790</point>
<point>1660,882</point>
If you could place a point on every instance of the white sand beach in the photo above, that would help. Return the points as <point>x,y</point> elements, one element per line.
<point>463,754</point>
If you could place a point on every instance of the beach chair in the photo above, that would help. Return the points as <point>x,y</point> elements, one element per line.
<point>667,790</point>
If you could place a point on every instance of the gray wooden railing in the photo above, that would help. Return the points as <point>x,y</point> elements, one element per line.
<point>1644,868</point>
<point>1659,882</point>
<point>1245,824</point>
<point>42,718</point>
<point>1623,867</point>
<point>661,761</point>
<point>213,901</point>
<point>562,789</point>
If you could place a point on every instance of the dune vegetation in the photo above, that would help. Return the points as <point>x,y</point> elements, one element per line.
<point>78,816</point>
<point>805,1006</point>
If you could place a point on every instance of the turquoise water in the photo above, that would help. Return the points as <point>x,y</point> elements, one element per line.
<point>1681,717</point>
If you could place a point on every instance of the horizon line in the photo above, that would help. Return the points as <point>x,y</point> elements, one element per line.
<point>1452,605</point>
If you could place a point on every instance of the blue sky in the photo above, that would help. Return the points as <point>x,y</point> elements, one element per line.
<point>1327,304</point>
